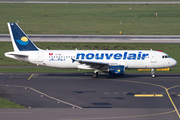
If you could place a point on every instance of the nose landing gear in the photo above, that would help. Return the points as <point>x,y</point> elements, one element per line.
<point>152,73</point>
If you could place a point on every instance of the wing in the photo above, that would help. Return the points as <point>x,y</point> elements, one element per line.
<point>93,64</point>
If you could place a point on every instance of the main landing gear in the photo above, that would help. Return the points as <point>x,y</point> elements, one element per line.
<point>95,74</point>
<point>152,73</point>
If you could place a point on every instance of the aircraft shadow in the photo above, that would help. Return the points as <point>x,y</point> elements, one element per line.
<point>107,76</point>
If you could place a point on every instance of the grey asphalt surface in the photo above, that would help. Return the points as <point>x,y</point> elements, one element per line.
<point>100,38</point>
<point>76,96</point>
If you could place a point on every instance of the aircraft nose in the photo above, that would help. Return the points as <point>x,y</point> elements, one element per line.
<point>174,62</point>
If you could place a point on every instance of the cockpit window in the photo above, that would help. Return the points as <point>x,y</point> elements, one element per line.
<point>165,56</point>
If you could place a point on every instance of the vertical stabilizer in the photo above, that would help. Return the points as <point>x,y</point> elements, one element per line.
<point>20,40</point>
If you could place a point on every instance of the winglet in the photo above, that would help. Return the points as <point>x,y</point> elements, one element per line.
<point>20,40</point>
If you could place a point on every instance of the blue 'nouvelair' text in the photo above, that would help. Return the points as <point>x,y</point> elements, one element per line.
<point>116,56</point>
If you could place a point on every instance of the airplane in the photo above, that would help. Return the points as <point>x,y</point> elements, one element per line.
<point>113,62</point>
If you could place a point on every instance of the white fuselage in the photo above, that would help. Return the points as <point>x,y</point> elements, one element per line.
<point>64,58</point>
<point>113,62</point>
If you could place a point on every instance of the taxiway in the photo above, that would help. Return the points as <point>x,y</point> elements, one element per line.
<point>72,96</point>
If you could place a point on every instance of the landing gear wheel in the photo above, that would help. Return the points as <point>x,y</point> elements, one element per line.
<point>152,72</point>
<point>153,75</point>
<point>94,75</point>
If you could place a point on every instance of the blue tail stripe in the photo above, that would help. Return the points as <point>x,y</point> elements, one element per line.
<point>22,42</point>
<point>18,34</point>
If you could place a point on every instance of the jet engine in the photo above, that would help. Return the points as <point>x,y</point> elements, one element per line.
<point>116,70</point>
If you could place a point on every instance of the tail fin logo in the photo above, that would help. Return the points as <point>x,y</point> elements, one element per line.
<point>23,41</point>
<point>20,40</point>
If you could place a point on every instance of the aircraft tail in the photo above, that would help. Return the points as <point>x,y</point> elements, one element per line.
<point>20,40</point>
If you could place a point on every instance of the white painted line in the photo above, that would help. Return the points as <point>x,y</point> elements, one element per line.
<point>156,39</point>
<point>46,96</point>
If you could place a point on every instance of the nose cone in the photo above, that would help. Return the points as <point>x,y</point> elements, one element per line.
<point>174,62</point>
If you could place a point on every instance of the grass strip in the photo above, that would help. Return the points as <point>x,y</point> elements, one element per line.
<point>92,19</point>
<point>8,104</point>
<point>56,70</point>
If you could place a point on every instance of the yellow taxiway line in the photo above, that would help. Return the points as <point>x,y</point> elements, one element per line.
<point>30,77</point>
<point>148,95</point>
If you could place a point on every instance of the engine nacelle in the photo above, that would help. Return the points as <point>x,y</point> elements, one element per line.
<point>116,70</point>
